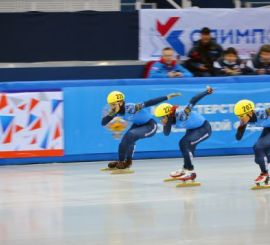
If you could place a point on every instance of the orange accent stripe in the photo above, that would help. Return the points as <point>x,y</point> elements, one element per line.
<point>32,153</point>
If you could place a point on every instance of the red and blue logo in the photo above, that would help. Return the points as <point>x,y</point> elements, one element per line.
<point>171,36</point>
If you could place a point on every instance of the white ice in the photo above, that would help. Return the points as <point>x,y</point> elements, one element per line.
<point>75,203</point>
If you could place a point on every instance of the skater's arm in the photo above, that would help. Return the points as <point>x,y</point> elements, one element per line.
<point>167,127</point>
<point>196,99</point>
<point>106,119</point>
<point>151,102</point>
<point>240,131</point>
<point>199,96</point>
<point>156,101</point>
<point>114,110</point>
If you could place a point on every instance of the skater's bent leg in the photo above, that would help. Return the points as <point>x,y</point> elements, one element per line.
<point>193,148</point>
<point>260,157</point>
<point>261,150</point>
<point>191,139</point>
<point>186,150</point>
<point>126,146</point>
<point>140,132</point>
<point>130,152</point>
<point>268,155</point>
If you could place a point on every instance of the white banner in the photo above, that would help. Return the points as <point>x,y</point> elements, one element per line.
<point>244,29</point>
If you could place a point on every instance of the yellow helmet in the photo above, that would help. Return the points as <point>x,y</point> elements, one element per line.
<point>163,109</point>
<point>243,107</point>
<point>115,96</point>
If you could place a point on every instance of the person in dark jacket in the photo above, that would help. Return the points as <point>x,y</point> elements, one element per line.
<point>230,64</point>
<point>260,64</point>
<point>203,55</point>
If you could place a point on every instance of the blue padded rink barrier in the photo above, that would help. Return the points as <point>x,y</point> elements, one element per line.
<point>75,203</point>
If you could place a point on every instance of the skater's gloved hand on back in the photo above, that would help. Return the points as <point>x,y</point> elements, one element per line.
<point>209,90</point>
<point>187,110</point>
<point>172,95</point>
<point>138,107</point>
<point>268,112</point>
<point>130,108</point>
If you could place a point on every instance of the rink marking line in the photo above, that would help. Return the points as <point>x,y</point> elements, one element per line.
<point>82,203</point>
<point>176,158</point>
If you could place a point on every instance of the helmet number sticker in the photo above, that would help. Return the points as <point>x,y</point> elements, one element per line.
<point>167,110</point>
<point>247,108</point>
<point>119,96</point>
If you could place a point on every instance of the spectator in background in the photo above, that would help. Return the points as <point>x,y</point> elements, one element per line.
<point>168,67</point>
<point>203,54</point>
<point>260,64</point>
<point>230,64</point>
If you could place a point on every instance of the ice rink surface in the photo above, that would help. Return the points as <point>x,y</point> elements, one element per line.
<point>75,203</point>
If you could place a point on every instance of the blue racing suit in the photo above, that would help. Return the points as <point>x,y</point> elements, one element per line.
<point>198,129</point>
<point>143,125</point>
<point>260,118</point>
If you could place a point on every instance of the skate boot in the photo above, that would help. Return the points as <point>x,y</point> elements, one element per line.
<point>263,178</point>
<point>175,175</point>
<point>112,164</point>
<point>188,176</point>
<point>178,173</point>
<point>188,179</point>
<point>124,164</point>
<point>123,167</point>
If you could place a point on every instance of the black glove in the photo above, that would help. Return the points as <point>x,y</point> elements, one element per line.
<point>240,132</point>
<point>138,107</point>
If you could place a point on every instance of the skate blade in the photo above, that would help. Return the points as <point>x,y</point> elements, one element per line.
<point>122,171</point>
<point>259,187</point>
<point>188,184</point>
<point>170,179</point>
<point>107,169</point>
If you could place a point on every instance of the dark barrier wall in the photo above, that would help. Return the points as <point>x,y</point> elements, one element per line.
<point>71,73</point>
<point>87,35</point>
<point>213,3</point>
<point>199,3</point>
